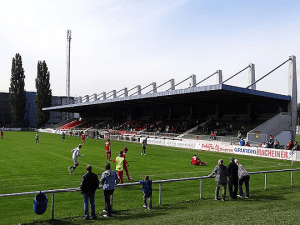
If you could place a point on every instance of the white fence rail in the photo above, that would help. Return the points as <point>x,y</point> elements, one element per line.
<point>160,182</point>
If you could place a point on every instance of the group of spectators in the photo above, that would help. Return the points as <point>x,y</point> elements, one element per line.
<point>274,143</point>
<point>237,176</point>
<point>109,178</point>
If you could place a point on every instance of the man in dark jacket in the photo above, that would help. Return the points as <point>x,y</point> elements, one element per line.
<point>233,178</point>
<point>221,178</point>
<point>88,186</point>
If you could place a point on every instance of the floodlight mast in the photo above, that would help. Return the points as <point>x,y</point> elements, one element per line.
<point>68,65</point>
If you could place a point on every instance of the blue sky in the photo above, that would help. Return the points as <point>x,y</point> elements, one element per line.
<point>124,43</point>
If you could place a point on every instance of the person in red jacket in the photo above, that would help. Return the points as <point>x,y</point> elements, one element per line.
<point>125,165</point>
<point>197,162</point>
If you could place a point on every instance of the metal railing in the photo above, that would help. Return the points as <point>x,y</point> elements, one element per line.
<point>160,182</point>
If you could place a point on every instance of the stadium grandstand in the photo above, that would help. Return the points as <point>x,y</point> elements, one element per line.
<point>194,112</point>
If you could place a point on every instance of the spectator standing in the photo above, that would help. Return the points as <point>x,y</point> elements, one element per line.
<point>107,150</point>
<point>271,140</point>
<point>108,179</point>
<point>88,186</point>
<point>120,161</point>
<point>243,178</point>
<point>144,144</point>
<point>147,190</point>
<point>75,154</point>
<point>221,179</point>
<point>37,138</point>
<point>233,179</point>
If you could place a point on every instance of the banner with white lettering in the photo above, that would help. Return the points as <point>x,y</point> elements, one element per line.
<point>214,146</point>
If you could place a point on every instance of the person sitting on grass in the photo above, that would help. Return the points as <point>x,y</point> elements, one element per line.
<point>197,162</point>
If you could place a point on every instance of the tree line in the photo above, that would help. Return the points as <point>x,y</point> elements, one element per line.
<point>17,94</point>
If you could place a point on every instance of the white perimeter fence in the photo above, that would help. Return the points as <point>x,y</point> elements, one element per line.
<point>160,182</point>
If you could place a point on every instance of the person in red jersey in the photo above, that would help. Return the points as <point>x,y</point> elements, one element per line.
<point>107,150</point>
<point>125,165</point>
<point>197,162</point>
<point>1,134</point>
<point>83,138</point>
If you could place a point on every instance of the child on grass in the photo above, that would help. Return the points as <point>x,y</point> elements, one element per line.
<point>147,190</point>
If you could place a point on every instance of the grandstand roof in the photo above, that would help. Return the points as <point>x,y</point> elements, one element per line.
<point>191,96</point>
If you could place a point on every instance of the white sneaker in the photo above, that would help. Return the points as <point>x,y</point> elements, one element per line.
<point>144,154</point>
<point>144,206</point>
<point>69,169</point>
<point>149,208</point>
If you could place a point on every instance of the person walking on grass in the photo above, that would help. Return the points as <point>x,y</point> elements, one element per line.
<point>125,165</point>
<point>88,187</point>
<point>221,178</point>
<point>37,138</point>
<point>120,161</point>
<point>144,144</point>
<point>75,154</point>
<point>107,150</point>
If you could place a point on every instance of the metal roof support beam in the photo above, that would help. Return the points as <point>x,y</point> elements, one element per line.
<point>154,87</point>
<point>87,98</point>
<point>293,93</point>
<point>125,92</point>
<point>114,94</point>
<point>139,90</point>
<point>219,77</point>
<point>104,95</point>
<point>251,76</point>
<point>172,84</point>
<point>95,97</point>
<point>193,80</point>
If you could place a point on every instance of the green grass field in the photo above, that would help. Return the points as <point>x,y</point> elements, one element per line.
<point>26,166</point>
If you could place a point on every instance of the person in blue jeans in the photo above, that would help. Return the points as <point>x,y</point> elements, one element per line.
<point>243,178</point>
<point>88,186</point>
<point>108,179</point>
<point>147,190</point>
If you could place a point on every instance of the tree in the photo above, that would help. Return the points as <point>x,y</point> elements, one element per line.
<point>43,93</point>
<point>17,95</point>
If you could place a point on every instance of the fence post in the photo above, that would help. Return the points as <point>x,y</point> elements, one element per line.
<point>160,184</point>
<point>265,181</point>
<point>292,176</point>
<point>201,185</point>
<point>52,205</point>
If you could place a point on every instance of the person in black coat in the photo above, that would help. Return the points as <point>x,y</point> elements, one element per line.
<point>233,179</point>
<point>88,186</point>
